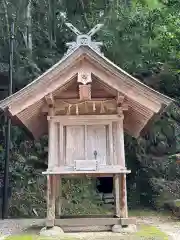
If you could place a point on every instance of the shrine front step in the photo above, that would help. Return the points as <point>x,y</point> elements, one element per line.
<point>86,228</point>
<point>92,222</point>
<point>108,198</point>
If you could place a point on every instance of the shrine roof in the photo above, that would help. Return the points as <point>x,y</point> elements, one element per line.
<point>25,105</point>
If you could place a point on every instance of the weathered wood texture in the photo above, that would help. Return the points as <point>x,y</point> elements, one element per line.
<point>51,200</point>
<point>85,92</point>
<point>96,228</point>
<point>123,198</point>
<point>101,172</point>
<point>96,141</point>
<point>120,192</point>
<point>74,144</point>
<point>87,221</point>
<point>115,143</point>
<point>128,221</point>
<point>84,119</point>
<point>117,194</point>
<point>79,139</point>
<point>120,143</point>
<point>86,165</point>
<point>62,144</point>
<point>59,198</point>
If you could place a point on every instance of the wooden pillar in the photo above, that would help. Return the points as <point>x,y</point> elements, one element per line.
<point>117,195</point>
<point>59,196</point>
<point>52,142</point>
<point>51,196</point>
<point>61,146</point>
<point>111,153</point>
<point>120,193</point>
<point>51,179</point>
<point>120,180</point>
<point>120,147</point>
<point>123,204</point>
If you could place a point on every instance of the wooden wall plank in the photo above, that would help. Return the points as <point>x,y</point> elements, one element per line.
<point>96,141</point>
<point>74,144</point>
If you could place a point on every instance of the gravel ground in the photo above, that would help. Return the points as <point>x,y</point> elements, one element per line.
<point>17,226</point>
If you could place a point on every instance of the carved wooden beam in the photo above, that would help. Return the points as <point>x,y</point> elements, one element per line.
<point>45,108</point>
<point>120,99</point>
<point>60,104</point>
<point>49,100</point>
<point>77,100</point>
<point>124,106</point>
<point>121,109</point>
<point>121,105</point>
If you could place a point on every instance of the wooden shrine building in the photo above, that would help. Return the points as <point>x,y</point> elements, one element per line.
<point>85,103</point>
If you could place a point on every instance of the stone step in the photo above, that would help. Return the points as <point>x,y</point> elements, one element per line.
<point>107,201</point>
<point>108,196</point>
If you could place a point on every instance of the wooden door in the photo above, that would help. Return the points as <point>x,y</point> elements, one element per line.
<point>97,141</point>
<point>74,144</point>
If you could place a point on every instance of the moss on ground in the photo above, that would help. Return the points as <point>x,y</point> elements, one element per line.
<point>145,232</point>
<point>148,213</point>
<point>150,232</point>
<point>23,237</point>
<point>177,203</point>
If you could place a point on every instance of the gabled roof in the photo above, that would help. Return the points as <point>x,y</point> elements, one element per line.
<point>144,102</point>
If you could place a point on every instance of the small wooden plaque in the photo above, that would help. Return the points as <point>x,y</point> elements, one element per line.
<point>85,92</point>
<point>85,165</point>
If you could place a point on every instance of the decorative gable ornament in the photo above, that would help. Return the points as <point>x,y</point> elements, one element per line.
<point>84,77</point>
<point>84,39</point>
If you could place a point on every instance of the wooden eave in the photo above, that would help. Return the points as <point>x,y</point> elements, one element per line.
<point>26,104</point>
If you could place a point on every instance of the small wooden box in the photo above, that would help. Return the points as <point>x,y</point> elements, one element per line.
<point>85,165</point>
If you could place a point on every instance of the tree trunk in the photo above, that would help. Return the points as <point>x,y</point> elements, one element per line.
<point>29,27</point>
<point>6,16</point>
<point>52,22</point>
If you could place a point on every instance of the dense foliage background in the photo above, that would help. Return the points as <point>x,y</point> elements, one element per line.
<point>142,37</point>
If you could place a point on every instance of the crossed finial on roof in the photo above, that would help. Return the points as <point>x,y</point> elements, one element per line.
<point>84,39</point>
